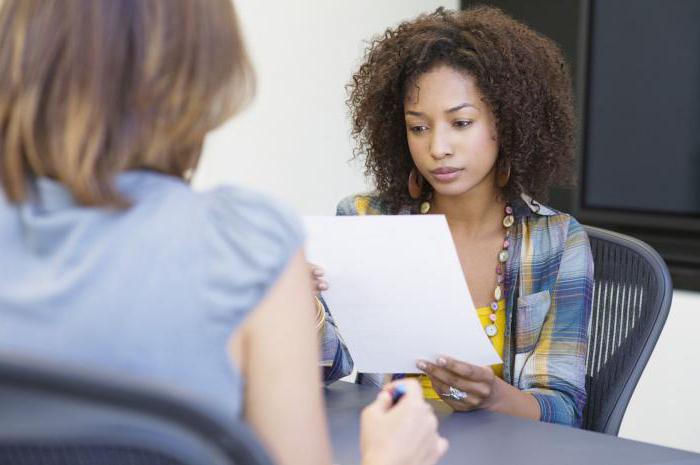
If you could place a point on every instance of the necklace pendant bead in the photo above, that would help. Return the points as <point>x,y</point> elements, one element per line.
<point>499,279</point>
<point>494,306</point>
<point>492,317</point>
<point>491,330</point>
<point>425,207</point>
<point>503,256</point>
<point>506,244</point>
<point>508,221</point>
<point>497,293</point>
<point>509,210</point>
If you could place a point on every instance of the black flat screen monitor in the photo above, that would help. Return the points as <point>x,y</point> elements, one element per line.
<point>641,114</point>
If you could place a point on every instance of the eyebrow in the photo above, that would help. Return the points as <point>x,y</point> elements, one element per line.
<point>449,110</point>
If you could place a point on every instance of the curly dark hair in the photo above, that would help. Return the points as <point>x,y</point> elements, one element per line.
<point>521,74</point>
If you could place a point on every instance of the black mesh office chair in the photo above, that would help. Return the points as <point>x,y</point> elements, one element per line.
<point>53,415</point>
<point>631,300</point>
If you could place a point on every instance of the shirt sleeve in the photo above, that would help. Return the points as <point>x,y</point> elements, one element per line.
<point>557,374</point>
<point>347,206</point>
<point>249,242</point>
<point>335,357</point>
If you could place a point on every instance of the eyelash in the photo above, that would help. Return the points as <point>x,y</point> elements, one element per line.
<point>418,129</point>
<point>461,124</point>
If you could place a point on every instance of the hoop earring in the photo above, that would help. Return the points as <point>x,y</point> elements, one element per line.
<point>415,190</point>
<point>415,184</point>
<point>503,177</point>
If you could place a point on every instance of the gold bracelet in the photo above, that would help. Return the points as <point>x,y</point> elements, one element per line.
<point>320,313</point>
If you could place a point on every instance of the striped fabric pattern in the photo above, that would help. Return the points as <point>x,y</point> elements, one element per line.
<point>549,282</point>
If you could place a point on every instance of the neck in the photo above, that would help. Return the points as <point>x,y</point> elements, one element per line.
<point>475,213</point>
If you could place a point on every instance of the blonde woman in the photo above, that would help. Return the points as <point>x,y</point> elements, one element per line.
<point>110,260</point>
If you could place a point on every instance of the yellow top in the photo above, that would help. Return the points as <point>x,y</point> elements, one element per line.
<point>497,341</point>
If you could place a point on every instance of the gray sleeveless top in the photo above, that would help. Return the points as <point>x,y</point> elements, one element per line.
<point>154,291</point>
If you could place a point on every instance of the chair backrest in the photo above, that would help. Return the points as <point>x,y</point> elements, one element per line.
<point>57,415</point>
<point>631,300</point>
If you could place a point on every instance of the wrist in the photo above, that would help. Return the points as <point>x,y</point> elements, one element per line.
<point>512,401</point>
<point>495,401</point>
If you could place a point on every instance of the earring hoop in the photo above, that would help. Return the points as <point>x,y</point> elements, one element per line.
<point>415,190</point>
<point>504,176</point>
<point>415,184</point>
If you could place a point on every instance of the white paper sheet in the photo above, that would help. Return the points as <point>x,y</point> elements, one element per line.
<point>397,291</point>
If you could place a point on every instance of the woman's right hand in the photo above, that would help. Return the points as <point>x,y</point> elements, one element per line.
<point>403,434</point>
<point>318,283</point>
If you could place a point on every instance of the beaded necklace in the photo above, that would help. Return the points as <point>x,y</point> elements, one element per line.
<point>498,293</point>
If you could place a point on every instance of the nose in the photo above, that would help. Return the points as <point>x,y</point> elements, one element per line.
<point>440,146</point>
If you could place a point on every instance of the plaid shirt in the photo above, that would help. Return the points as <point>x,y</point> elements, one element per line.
<point>336,361</point>
<point>549,282</point>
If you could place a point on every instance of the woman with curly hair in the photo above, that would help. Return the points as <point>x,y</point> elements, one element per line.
<point>469,114</point>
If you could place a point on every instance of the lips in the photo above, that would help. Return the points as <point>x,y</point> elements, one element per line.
<point>446,174</point>
<point>445,170</point>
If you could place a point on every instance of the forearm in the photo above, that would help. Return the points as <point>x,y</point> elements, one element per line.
<point>512,401</point>
<point>283,315</point>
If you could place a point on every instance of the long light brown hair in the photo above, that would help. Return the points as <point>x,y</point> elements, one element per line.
<point>89,88</point>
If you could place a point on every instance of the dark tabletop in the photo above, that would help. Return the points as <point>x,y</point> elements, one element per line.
<point>489,438</point>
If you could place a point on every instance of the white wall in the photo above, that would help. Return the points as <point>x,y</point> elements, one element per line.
<point>665,408</point>
<point>293,142</point>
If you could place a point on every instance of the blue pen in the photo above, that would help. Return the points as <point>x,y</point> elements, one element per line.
<point>397,393</point>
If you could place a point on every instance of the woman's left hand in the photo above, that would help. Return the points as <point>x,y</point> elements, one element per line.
<point>477,382</point>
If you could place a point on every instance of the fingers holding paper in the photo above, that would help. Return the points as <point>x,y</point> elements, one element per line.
<point>318,281</point>
<point>461,385</point>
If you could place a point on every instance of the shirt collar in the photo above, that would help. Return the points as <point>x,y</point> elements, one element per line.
<point>526,206</point>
